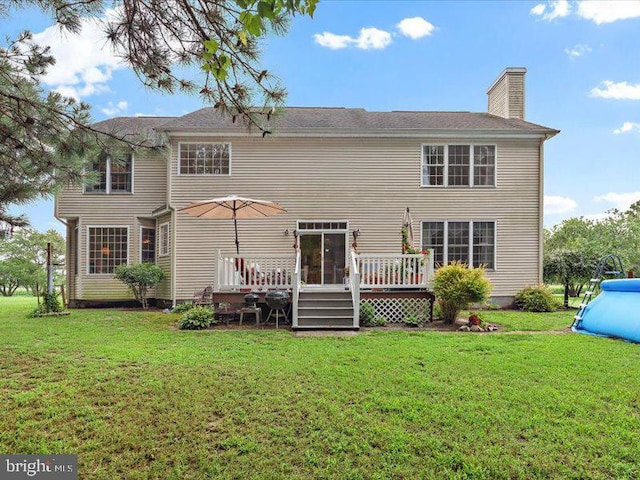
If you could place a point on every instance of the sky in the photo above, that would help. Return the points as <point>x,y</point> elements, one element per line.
<point>583,78</point>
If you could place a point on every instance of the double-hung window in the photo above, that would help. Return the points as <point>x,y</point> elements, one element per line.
<point>165,237</point>
<point>458,165</point>
<point>111,174</point>
<point>107,248</point>
<point>473,243</point>
<point>204,159</point>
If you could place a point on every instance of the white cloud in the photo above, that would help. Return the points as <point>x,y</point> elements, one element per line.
<point>608,11</point>
<point>617,90</point>
<point>333,41</point>
<point>369,38</point>
<point>415,27</point>
<point>556,204</point>
<point>111,110</point>
<point>373,38</point>
<point>627,127</point>
<point>552,10</point>
<point>621,201</point>
<point>84,61</point>
<point>578,50</point>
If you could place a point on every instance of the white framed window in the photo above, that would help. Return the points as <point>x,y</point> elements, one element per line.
<point>204,159</point>
<point>147,244</point>
<point>164,233</point>
<point>458,165</point>
<point>470,242</point>
<point>107,247</point>
<point>114,175</point>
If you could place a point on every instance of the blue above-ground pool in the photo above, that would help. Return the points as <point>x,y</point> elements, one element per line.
<point>615,312</point>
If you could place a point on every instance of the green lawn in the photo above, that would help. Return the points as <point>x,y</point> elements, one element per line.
<point>135,398</point>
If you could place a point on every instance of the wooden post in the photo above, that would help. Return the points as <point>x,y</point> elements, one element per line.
<point>64,297</point>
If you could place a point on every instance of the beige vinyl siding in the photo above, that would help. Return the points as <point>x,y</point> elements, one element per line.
<point>126,210</point>
<point>71,258</point>
<point>367,181</point>
<point>163,290</point>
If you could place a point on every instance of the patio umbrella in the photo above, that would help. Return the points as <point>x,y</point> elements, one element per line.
<point>233,207</point>
<point>407,223</point>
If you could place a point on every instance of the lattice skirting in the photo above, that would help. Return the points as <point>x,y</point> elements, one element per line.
<point>395,310</point>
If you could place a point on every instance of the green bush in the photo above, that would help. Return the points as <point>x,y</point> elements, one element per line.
<point>183,307</point>
<point>379,321</point>
<point>437,311</point>
<point>197,318</point>
<point>367,314</point>
<point>412,321</point>
<point>456,285</point>
<point>139,277</point>
<point>50,304</point>
<point>535,299</point>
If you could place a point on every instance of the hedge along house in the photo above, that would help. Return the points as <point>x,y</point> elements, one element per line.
<point>473,182</point>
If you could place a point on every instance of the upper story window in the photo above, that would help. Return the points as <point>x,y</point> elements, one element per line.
<point>473,243</point>
<point>204,159</point>
<point>113,174</point>
<point>458,165</point>
<point>107,248</point>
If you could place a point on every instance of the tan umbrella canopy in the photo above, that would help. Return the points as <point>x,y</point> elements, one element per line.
<point>407,224</point>
<point>233,207</point>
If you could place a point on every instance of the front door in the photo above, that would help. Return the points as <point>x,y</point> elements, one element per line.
<point>323,257</point>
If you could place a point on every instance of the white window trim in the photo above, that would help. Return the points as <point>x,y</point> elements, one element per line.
<point>204,174</point>
<point>88,253</point>
<point>142,227</point>
<point>108,176</point>
<point>159,240</point>
<point>445,244</point>
<point>445,180</point>
<point>320,230</point>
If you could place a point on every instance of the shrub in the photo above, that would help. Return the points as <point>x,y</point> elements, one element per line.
<point>50,304</point>
<point>457,285</point>
<point>139,278</point>
<point>183,307</point>
<point>437,311</point>
<point>535,299</point>
<point>412,321</point>
<point>197,318</point>
<point>379,321</point>
<point>367,314</point>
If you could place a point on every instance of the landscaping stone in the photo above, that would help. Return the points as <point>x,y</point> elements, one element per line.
<point>464,328</point>
<point>477,328</point>
<point>461,321</point>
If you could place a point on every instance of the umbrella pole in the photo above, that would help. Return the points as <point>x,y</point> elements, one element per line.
<point>235,225</point>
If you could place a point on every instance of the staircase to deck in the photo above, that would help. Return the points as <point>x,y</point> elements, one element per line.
<point>331,309</point>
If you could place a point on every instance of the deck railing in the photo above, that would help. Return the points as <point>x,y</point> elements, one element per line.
<point>259,272</point>
<point>391,271</point>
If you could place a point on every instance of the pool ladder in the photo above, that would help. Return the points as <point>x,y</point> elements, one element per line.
<point>610,266</point>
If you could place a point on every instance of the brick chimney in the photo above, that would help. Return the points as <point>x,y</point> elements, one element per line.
<point>506,94</point>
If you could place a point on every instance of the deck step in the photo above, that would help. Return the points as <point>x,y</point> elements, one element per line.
<point>325,309</point>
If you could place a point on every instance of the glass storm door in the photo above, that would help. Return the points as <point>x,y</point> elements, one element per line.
<point>323,258</point>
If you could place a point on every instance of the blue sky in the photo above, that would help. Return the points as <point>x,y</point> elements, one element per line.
<point>583,78</point>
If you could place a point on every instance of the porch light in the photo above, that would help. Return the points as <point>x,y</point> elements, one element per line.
<point>356,233</point>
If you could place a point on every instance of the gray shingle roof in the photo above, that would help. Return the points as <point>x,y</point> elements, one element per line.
<point>134,128</point>
<point>338,120</point>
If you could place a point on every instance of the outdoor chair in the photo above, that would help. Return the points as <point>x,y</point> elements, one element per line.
<point>203,297</point>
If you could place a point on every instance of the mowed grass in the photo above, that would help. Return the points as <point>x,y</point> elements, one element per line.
<point>135,398</point>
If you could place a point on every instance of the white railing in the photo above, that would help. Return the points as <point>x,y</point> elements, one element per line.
<point>395,271</point>
<point>255,271</point>
<point>354,280</point>
<point>295,290</point>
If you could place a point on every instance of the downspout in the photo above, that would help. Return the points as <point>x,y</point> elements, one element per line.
<point>541,212</point>
<point>174,231</point>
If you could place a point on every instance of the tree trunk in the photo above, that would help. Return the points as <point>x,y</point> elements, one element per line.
<point>566,293</point>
